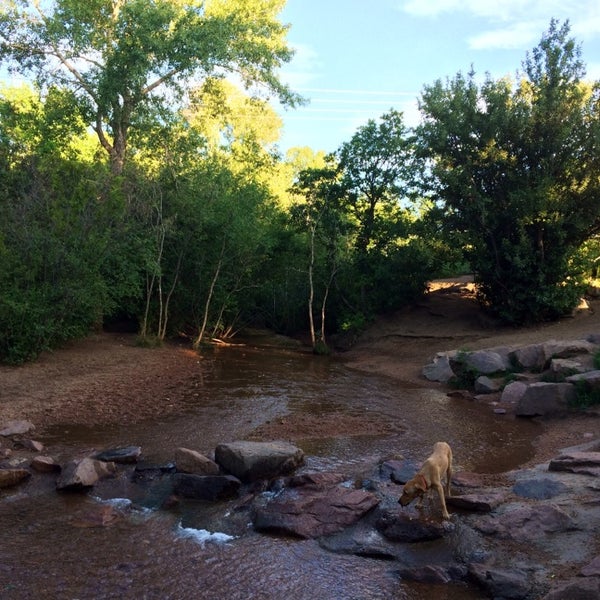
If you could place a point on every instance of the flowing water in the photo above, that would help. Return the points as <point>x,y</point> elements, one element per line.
<point>51,549</point>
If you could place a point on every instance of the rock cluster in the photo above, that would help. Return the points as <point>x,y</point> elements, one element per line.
<point>545,379</point>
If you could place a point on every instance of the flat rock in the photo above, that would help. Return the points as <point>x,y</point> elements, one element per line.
<point>477,502</point>
<point>586,463</point>
<point>592,569</point>
<point>575,589</point>
<point>527,524</point>
<point>11,477</point>
<point>250,461</point>
<point>310,513</point>
<point>127,455</point>
<point>539,489</point>
<point>16,428</point>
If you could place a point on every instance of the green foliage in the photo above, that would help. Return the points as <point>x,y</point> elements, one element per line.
<point>118,57</point>
<point>511,167</point>
<point>585,396</point>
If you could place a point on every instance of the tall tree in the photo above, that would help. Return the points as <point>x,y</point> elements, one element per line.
<point>515,170</point>
<point>122,56</point>
<point>317,213</point>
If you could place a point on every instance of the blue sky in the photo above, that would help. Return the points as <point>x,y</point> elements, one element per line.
<point>356,59</point>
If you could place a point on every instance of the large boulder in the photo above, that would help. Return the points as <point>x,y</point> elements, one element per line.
<point>314,510</point>
<point>585,463</point>
<point>250,461</point>
<point>206,487</point>
<point>546,399</point>
<point>79,475</point>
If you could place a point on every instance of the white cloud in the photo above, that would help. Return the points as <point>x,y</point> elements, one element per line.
<point>303,69</point>
<point>513,23</point>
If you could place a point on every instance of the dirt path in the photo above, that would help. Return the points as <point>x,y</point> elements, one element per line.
<point>107,379</point>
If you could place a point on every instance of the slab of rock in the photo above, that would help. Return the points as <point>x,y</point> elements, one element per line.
<point>399,471</point>
<point>590,380</point>
<point>79,475</point>
<point>16,428</point>
<point>477,502</point>
<point>402,528</point>
<point>539,489</point>
<point>311,513</point>
<point>527,524</point>
<point>575,589</point>
<point>546,399</point>
<point>206,487</point>
<point>250,461</point>
<point>565,367</point>
<point>501,583</point>
<point>426,574</point>
<point>127,455</point>
<point>45,464</point>
<point>566,348</point>
<point>585,463</point>
<point>592,569</point>
<point>190,461</point>
<point>11,477</point>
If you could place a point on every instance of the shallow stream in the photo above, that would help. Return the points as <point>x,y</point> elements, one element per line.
<point>52,546</point>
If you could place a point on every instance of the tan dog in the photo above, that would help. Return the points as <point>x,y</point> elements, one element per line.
<point>430,476</point>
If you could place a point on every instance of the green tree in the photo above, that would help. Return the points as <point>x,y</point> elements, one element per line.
<point>317,213</point>
<point>514,171</point>
<point>54,235</point>
<point>377,173</point>
<point>121,58</point>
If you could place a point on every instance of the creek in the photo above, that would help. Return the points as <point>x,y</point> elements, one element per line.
<point>50,548</point>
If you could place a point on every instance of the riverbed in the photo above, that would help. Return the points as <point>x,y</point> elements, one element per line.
<point>56,546</point>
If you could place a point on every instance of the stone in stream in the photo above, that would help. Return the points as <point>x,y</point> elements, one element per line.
<point>79,475</point>
<point>206,487</point>
<point>127,455</point>
<point>16,428</point>
<point>11,477</point>
<point>251,461</point>
<point>190,461</point>
<point>313,510</point>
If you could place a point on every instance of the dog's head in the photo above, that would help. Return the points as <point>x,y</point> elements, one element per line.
<point>415,488</point>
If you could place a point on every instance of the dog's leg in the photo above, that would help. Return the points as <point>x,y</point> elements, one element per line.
<point>440,491</point>
<point>449,477</point>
